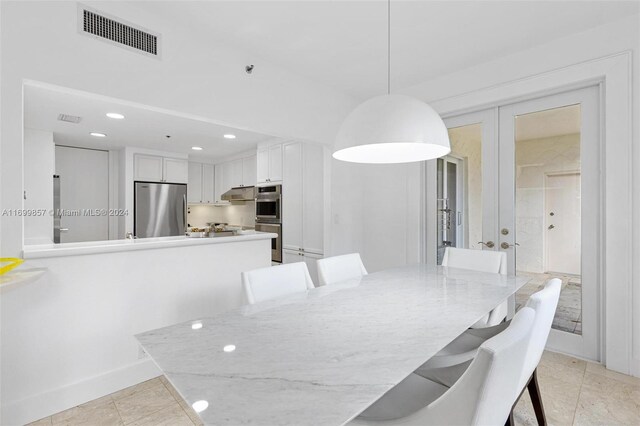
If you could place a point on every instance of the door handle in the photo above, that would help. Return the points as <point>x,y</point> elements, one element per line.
<point>507,245</point>
<point>489,244</point>
<point>64,229</point>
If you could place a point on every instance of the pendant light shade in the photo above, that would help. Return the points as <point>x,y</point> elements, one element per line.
<point>392,129</point>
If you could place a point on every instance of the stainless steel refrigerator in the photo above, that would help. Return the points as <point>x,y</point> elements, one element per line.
<point>160,209</point>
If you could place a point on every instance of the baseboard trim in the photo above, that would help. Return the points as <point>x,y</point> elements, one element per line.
<point>47,403</point>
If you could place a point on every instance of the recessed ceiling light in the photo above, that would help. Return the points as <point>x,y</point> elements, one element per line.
<point>115,115</point>
<point>196,325</point>
<point>229,136</point>
<point>98,135</point>
<point>229,348</point>
<point>200,406</point>
<point>196,148</point>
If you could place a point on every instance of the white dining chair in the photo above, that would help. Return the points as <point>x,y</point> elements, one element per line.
<point>481,261</point>
<point>484,395</point>
<point>462,350</point>
<point>340,268</point>
<point>276,281</point>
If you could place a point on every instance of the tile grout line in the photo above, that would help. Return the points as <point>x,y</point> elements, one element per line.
<point>179,405</point>
<point>113,401</point>
<point>575,409</point>
<point>147,416</point>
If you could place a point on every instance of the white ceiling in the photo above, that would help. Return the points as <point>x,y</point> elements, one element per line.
<point>343,43</point>
<point>141,127</point>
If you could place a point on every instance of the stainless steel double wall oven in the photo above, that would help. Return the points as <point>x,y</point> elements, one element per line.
<point>268,216</point>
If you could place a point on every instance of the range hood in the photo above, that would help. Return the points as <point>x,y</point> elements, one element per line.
<point>240,193</point>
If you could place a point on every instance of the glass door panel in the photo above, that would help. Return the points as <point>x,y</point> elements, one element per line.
<point>549,208</point>
<point>466,214</point>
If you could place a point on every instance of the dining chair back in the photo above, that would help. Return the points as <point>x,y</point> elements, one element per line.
<point>481,261</point>
<point>477,260</point>
<point>544,303</point>
<point>491,385</point>
<point>340,268</point>
<point>485,393</point>
<point>276,281</point>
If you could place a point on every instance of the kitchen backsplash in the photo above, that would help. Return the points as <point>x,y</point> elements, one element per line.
<point>237,214</point>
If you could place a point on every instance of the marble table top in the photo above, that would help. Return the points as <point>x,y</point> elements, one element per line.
<point>323,356</point>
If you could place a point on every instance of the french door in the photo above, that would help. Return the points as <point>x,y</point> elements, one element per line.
<point>530,186</point>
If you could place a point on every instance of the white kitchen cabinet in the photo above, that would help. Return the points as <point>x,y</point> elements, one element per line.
<point>175,170</point>
<point>220,189</point>
<point>208,184</point>
<point>292,214</point>
<point>262,166</point>
<point>201,187</point>
<point>147,168</point>
<point>313,198</point>
<point>311,259</point>
<point>275,163</point>
<point>249,171</point>
<point>303,200</point>
<point>235,173</point>
<point>154,168</point>
<point>269,164</point>
<point>194,185</point>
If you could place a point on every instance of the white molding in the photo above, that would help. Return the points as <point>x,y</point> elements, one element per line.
<point>615,74</point>
<point>54,401</point>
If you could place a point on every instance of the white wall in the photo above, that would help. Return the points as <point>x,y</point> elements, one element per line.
<point>39,168</point>
<point>376,212</point>
<point>194,76</point>
<point>68,337</point>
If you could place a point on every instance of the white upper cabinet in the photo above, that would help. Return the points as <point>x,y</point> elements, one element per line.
<point>220,189</point>
<point>208,184</point>
<point>262,174</point>
<point>154,168</point>
<point>269,164</point>
<point>201,188</point>
<point>235,174</point>
<point>147,168</point>
<point>227,178</point>
<point>275,163</point>
<point>194,186</point>
<point>249,171</point>
<point>175,170</point>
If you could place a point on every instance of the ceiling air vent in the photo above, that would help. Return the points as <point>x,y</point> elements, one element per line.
<point>122,34</point>
<point>69,118</point>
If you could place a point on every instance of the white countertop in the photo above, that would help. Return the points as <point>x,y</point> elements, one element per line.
<point>322,356</point>
<point>110,246</point>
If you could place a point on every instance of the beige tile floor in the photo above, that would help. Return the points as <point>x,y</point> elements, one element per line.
<point>574,392</point>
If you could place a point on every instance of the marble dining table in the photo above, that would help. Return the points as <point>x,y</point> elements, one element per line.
<point>322,356</point>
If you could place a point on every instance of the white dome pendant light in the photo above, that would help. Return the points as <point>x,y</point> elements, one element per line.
<point>391,128</point>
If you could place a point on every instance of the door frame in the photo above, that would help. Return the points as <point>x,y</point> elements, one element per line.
<point>614,74</point>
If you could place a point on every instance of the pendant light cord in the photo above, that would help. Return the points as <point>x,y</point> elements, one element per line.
<point>388,47</point>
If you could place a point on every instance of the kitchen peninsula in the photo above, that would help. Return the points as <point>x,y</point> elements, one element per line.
<point>95,296</point>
